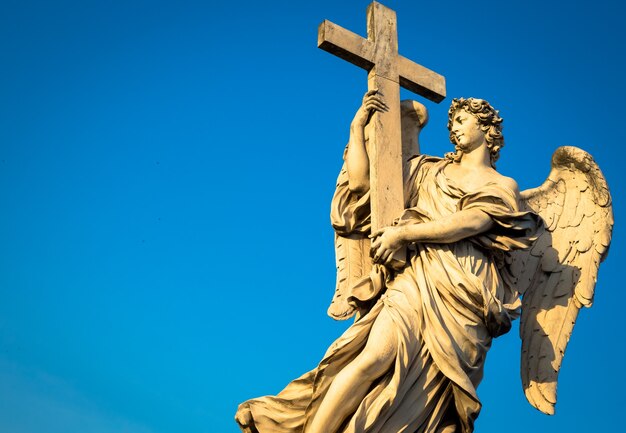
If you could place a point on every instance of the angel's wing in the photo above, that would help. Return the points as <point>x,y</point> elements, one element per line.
<point>558,274</point>
<point>350,218</point>
<point>353,264</point>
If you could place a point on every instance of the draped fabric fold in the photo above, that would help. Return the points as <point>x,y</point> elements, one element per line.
<point>446,306</point>
<point>349,212</point>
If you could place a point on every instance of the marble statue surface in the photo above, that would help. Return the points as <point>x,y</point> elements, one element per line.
<point>464,255</point>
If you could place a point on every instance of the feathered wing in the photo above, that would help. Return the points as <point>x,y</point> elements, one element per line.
<point>353,263</point>
<point>350,217</point>
<point>558,274</point>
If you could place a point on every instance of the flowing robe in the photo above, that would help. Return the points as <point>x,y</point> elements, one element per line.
<point>446,305</point>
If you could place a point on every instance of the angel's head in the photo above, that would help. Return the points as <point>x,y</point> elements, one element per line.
<point>489,122</point>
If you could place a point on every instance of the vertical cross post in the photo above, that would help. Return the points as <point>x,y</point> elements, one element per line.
<point>387,71</point>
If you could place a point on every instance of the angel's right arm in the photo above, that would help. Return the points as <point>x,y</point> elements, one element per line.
<point>357,159</point>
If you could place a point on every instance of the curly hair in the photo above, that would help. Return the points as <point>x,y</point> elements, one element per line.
<point>489,121</point>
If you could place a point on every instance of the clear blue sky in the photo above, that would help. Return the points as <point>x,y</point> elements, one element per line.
<point>166,170</point>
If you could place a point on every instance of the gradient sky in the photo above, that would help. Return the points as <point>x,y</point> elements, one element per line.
<point>166,170</point>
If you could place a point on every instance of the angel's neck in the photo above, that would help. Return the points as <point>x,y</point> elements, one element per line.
<point>477,158</point>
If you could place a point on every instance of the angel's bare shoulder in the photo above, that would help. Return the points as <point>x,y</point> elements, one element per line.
<point>511,184</point>
<point>505,181</point>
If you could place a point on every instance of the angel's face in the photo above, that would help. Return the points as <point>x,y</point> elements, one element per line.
<point>467,132</point>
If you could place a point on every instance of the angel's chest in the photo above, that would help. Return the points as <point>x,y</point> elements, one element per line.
<point>437,200</point>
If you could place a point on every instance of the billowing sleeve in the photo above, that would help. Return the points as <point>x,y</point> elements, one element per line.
<point>512,229</point>
<point>349,212</point>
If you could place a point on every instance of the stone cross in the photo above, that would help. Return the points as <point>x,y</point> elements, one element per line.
<point>387,71</point>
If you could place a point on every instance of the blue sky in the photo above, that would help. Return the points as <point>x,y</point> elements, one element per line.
<point>166,170</point>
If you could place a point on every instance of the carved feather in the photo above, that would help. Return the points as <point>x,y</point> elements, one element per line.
<point>558,274</point>
<point>353,263</point>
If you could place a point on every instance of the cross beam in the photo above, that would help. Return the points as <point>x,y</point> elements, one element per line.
<point>362,53</point>
<point>387,72</point>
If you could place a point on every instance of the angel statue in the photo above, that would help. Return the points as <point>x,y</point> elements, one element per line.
<point>479,254</point>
